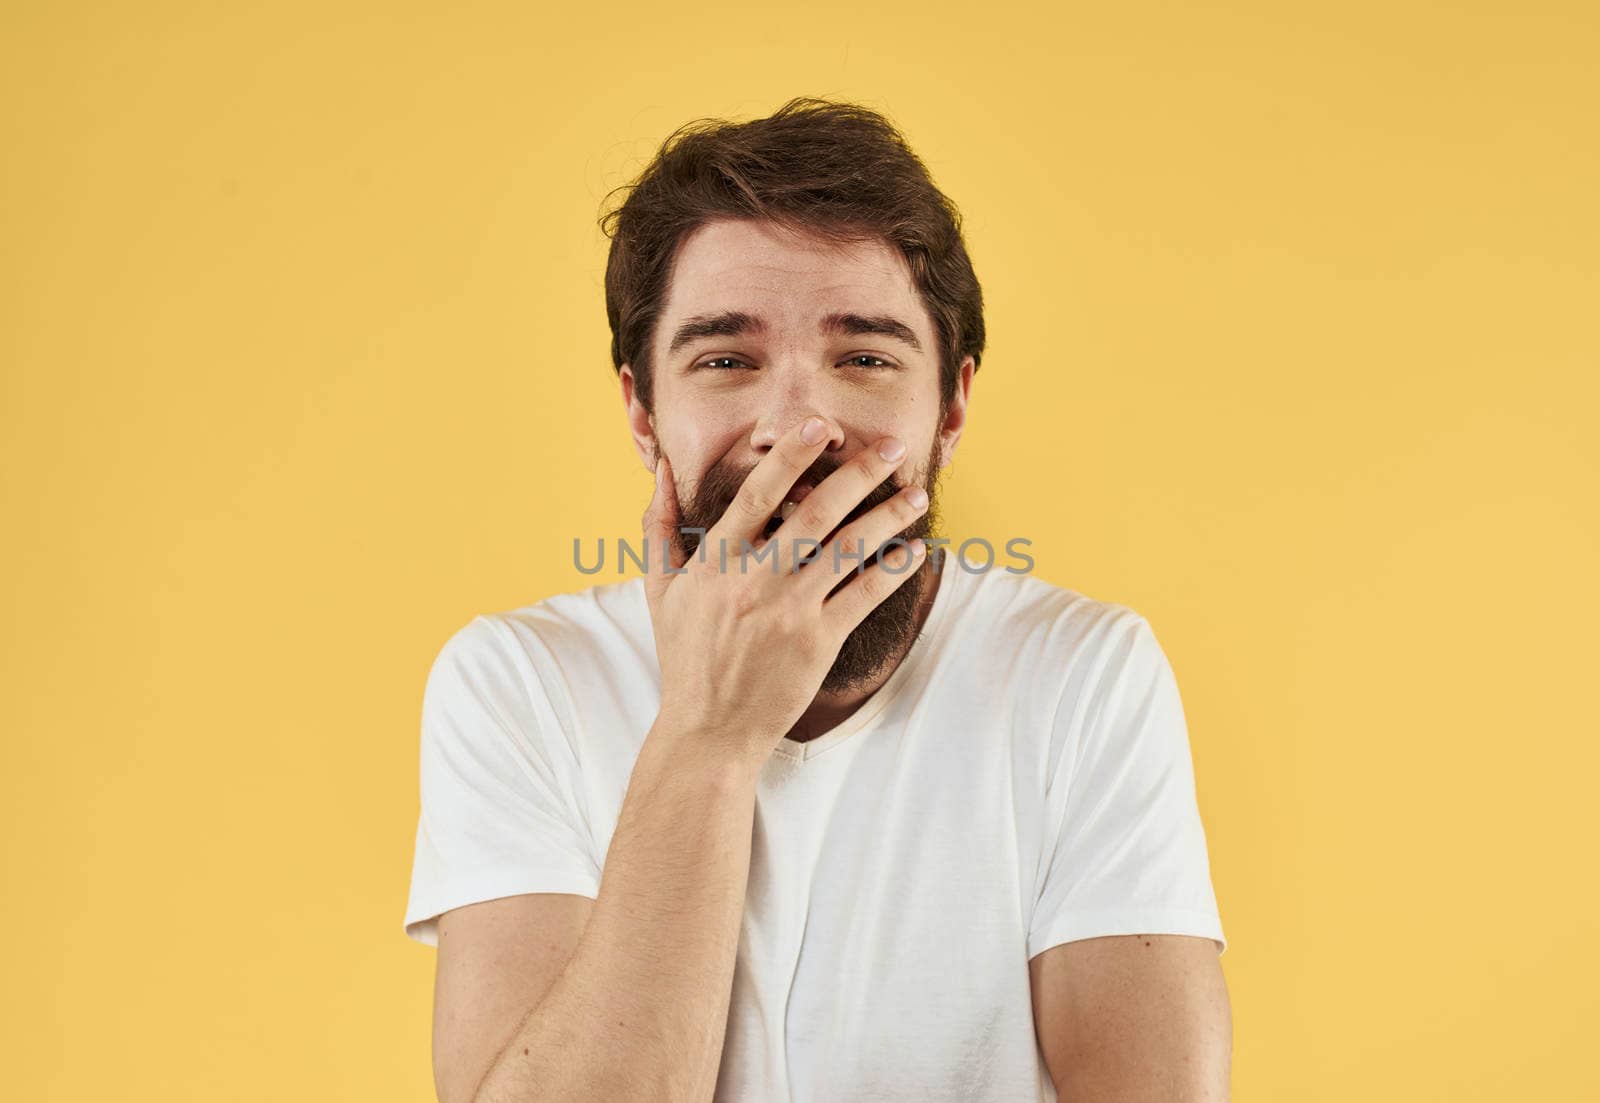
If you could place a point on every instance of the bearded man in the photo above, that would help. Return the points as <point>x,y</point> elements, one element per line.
<point>807,812</point>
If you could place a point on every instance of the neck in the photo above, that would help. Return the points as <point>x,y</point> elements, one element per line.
<point>829,709</point>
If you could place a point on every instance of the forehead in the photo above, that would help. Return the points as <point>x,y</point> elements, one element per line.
<point>790,280</point>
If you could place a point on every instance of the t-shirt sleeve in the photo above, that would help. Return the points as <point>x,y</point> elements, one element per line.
<point>501,807</point>
<point>1125,850</point>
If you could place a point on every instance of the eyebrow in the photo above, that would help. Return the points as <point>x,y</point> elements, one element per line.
<point>738,323</point>
<point>883,325</point>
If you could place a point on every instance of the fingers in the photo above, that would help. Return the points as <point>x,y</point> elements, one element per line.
<point>820,512</point>
<point>764,488</point>
<point>858,542</point>
<point>660,524</point>
<point>864,593</point>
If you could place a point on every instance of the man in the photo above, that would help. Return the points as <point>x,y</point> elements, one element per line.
<point>774,823</point>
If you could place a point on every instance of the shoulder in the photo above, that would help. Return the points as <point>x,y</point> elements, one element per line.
<point>1038,652</point>
<point>597,620</point>
<point>1028,620</point>
<point>604,616</point>
<point>542,647</point>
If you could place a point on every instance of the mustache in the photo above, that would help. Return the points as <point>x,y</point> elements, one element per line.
<point>720,485</point>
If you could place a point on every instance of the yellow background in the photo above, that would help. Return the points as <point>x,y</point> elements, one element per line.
<point>1293,349</point>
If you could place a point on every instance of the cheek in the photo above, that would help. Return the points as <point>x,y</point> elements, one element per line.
<point>696,443</point>
<point>909,418</point>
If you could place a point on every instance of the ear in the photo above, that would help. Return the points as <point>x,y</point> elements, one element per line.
<point>955,419</point>
<point>640,423</point>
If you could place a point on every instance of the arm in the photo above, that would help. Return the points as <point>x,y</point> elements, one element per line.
<point>496,960</point>
<point>640,1008</point>
<point>1122,1016</point>
<point>637,1007</point>
<point>1134,1019</point>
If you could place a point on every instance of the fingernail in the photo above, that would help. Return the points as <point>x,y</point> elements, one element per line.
<point>917,497</point>
<point>812,430</point>
<point>892,449</point>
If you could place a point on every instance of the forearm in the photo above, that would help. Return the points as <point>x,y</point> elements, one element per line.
<point>640,1010</point>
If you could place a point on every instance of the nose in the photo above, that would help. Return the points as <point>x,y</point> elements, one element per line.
<point>771,429</point>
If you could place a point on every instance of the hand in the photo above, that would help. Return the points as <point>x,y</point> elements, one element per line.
<point>744,647</point>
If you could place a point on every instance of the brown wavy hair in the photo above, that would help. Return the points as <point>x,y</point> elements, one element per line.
<point>837,170</point>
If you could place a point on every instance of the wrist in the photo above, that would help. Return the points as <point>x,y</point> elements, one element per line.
<point>724,756</point>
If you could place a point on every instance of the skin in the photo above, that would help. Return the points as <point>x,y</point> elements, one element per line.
<point>1134,1019</point>
<point>558,996</point>
<point>707,408</point>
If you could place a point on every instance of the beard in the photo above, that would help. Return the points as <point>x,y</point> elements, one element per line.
<point>886,632</point>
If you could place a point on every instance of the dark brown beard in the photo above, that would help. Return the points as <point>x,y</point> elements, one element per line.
<point>886,632</point>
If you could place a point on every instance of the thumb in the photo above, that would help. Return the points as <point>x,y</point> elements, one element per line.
<point>660,523</point>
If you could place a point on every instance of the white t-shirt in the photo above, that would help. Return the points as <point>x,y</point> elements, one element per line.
<point>1022,779</point>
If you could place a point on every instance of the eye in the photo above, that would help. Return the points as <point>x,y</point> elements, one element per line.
<point>715,360</point>
<point>868,356</point>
